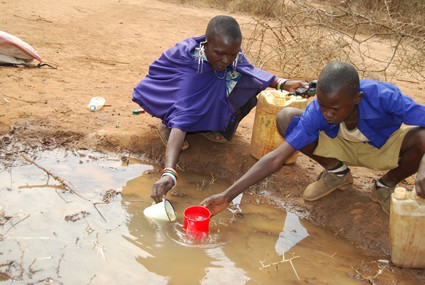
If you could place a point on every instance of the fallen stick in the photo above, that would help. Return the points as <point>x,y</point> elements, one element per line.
<point>57,178</point>
<point>13,225</point>
<point>282,261</point>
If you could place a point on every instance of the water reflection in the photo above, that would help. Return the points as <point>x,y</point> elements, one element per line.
<point>293,232</point>
<point>124,247</point>
<point>223,269</point>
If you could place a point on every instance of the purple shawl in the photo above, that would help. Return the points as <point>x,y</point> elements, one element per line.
<point>174,92</point>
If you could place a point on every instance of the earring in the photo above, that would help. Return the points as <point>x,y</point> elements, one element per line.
<point>235,62</point>
<point>201,55</point>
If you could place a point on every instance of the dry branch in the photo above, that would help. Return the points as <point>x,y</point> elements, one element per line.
<point>66,186</point>
<point>371,279</point>
<point>281,261</point>
<point>302,39</point>
<point>15,224</point>
<point>109,195</point>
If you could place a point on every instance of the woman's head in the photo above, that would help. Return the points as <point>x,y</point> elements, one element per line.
<point>223,42</point>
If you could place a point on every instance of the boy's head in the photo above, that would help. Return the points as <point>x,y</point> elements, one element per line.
<point>338,91</point>
<point>338,75</point>
<point>223,41</point>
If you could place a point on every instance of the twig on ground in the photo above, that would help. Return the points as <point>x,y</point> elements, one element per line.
<point>9,266</point>
<point>4,274</point>
<point>89,229</point>
<point>27,238</point>
<point>99,247</point>
<point>371,279</point>
<point>22,100</point>
<point>95,206</point>
<point>57,178</point>
<point>22,260</point>
<point>202,185</point>
<point>105,61</point>
<point>48,280</point>
<point>281,261</point>
<point>36,20</point>
<point>31,271</point>
<point>213,179</point>
<point>59,265</point>
<point>109,195</point>
<point>13,225</point>
<point>91,279</point>
<point>42,186</point>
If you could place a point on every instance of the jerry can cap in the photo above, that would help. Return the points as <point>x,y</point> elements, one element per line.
<point>400,193</point>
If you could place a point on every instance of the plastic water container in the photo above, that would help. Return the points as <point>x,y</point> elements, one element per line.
<point>265,136</point>
<point>407,229</point>
<point>96,103</point>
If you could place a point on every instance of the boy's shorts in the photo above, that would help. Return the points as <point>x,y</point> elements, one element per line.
<point>363,154</point>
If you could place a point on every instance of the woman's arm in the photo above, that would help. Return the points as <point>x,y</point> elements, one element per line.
<point>172,154</point>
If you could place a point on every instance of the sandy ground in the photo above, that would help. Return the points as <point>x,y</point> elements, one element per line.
<point>103,48</point>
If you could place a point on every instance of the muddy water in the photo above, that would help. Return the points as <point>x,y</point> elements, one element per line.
<point>94,232</point>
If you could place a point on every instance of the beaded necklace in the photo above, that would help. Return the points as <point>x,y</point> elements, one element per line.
<point>221,78</point>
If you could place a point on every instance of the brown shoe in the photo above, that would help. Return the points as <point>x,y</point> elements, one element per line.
<point>382,196</point>
<point>164,134</point>
<point>326,183</point>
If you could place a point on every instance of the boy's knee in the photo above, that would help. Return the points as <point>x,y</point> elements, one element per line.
<point>420,139</point>
<point>416,138</point>
<point>284,118</point>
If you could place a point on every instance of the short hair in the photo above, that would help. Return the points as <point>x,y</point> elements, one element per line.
<point>224,26</point>
<point>338,75</point>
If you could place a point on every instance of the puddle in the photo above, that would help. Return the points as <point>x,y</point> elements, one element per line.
<point>102,236</point>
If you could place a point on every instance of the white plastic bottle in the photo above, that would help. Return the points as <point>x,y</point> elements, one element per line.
<point>96,103</point>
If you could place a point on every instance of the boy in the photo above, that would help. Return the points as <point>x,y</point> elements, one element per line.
<point>350,122</point>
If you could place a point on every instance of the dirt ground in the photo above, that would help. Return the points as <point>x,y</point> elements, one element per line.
<point>104,48</point>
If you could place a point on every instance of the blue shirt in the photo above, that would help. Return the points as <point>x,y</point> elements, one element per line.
<point>382,110</point>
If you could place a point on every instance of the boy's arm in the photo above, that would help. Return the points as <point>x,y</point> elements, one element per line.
<point>264,167</point>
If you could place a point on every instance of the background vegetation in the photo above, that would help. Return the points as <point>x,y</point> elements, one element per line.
<point>382,38</point>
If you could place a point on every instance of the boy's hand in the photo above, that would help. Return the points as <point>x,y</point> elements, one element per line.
<point>215,203</point>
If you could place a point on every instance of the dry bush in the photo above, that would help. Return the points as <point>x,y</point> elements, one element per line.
<point>307,36</point>
<point>296,38</point>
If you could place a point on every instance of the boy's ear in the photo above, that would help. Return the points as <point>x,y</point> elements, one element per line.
<point>359,97</point>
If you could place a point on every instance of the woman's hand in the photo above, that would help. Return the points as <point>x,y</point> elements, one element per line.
<point>172,152</point>
<point>292,85</point>
<point>161,187</point>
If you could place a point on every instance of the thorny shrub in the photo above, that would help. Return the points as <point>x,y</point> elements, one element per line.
<point>296,38</point>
